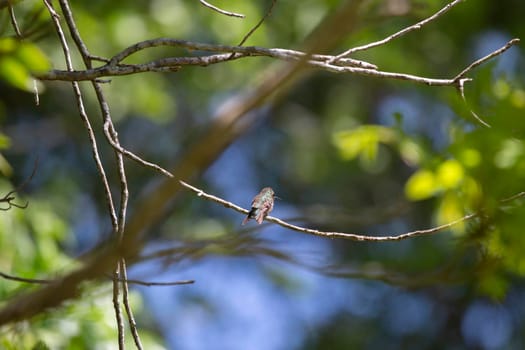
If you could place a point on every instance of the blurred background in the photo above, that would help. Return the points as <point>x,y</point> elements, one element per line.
<point>345,153</point>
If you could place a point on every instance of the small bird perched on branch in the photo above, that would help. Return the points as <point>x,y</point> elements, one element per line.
<point>262,205</point>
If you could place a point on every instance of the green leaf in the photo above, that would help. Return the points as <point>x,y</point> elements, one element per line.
<point>421,185</point>
<point>7,45</point>
<point>33,58</point>
<point>5,141</point>
<point>451,209</point>
<point>12,71</point>
<point>450,173</point>
<point>362,141</point>
<point>5,167</point>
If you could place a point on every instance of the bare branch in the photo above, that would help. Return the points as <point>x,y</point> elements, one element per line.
<point>108,129</point>
<point>127,280</point>
<point>398,34</point>
<point>129,311</point>
<point>221,11</point>
<point>461,89</point>
<point>14,23</point>
<point>486,58</point>
<point>118,311</point>
<point>513,197</point>
<point>112,137</point>
<point>461,80</point>
<point>363,237</point>
<point>8,198</point>
<point>350,236</point>
<point>266,15</point>
<point>343,65</point>
<point>83,115</point>
<point>25,280</point>
<point>163,284</point>
<point>35,90</point>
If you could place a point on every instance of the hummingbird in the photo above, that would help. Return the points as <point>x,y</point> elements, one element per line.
<point>262,205</point>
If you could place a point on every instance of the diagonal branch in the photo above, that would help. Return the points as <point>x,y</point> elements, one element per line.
<point>87,124</point>
<point>342,235</point>
<point>23,279</point>
<point>399,33</point>
<point>251,31</point>
<point>485,58</point>
<point>461,80</point>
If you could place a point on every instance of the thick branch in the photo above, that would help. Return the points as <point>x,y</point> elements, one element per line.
<point>169,64</point>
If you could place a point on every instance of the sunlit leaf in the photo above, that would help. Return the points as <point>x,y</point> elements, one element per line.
<point>7,45</point>
<point>450,209</point>
<point>14,72</point>
<point>470,157</point>
<point>33,58</point>
<point>421,185</point>
<point>362,141</point>
<point>449,174</point>
<point>411,152</point>
<point>5,141</point>
<point>5,167</point>
<point>508,154</point>
<point>518,98</point>
<point>501,88</point>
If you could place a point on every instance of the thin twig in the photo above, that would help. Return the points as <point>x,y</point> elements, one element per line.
<point>251,31</point>
<point>513,197</point>
<point>461,89</point>
<point>109,129</point>
<point>266,15</point>
<point>125,297</point>
<point>350,236</point>
<point>221,11</point>
<point>399,33</point>
<point>152,284</point>
<point>87,124</point>
<point>247,50</point>
<point>23,279</point>
<point>9,197</point>
<point>13,20</point>
<point>124,193</point>
<point>118,311</point>
<point>35,90</point>
<point>486,58</point>
<point>461,80</point>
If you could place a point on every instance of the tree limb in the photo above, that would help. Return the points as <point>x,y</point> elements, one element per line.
<point>351,236</point>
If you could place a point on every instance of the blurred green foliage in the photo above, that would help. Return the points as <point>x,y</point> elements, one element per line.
<point>31,242</point>
<point>18,60</point>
